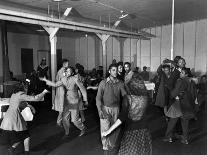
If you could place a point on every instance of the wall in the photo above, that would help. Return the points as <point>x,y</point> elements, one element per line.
<point>16,41</point>
<point>190,42</point>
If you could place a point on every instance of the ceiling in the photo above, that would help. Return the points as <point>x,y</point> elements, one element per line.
<point>142,13</point>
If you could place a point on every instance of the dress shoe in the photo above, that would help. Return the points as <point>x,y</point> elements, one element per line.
<point>184,141</point>
<point>167,139</point>
<point>82,132</point>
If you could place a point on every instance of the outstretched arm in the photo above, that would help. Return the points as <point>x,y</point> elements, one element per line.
<point>50,83</point>
<point>38,97</point>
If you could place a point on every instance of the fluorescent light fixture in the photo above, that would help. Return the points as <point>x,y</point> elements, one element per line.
<point>40,30</point>
<point>123,16</point>
<point>67,11</point>
<point>57,0</point>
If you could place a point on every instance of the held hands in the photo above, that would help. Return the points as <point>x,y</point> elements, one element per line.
<point>43,79</point>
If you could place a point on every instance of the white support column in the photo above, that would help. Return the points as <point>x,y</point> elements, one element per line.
<point>53,41</point>
<point>172,31</point>
<point>52,31</point>
<point>104,38</point>
<point>104,56</point>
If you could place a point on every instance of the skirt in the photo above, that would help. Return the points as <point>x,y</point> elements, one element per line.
<point>174,110</point>
<point>10,137</point>
<point>136,142</point>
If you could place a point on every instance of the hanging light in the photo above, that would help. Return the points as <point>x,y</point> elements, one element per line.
<point>58,0</point>
<point>123,16</point>
<point>40,29</point>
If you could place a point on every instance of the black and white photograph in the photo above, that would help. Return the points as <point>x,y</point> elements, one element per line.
<point>103,77</point>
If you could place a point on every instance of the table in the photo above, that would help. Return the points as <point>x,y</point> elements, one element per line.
<point>149,85</point>
<point>3,102</point>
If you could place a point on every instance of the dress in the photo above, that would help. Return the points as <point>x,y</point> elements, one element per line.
<point>136,138</point>
<point>14,127</point>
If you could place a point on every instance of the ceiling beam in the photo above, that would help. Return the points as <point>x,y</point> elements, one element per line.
<point>31,18</point>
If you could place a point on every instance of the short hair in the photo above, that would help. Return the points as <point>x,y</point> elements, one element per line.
<point>145,67</point>
<point>71,68</point>
<point>112,65</point>
<point>127,63</point>
<point>120,63</point>
<point>64,61</point>
<point>177,58</point>
<point>166,66</point>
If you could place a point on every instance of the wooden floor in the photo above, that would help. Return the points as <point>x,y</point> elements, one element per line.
<point>46,137</point>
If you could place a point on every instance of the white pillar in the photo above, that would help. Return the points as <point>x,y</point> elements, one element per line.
<point>172,31</point>
<point>104,58</point>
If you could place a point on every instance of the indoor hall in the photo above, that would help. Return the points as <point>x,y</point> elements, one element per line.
<point>96,34</point>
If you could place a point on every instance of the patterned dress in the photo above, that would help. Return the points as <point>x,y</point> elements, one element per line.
<point>136,139</point>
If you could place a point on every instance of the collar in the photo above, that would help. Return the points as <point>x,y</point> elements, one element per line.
<point>109,79</point>
<point>130,72</point>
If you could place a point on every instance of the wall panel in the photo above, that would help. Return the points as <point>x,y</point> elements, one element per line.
<point>178,40</point>
<point>166,41</point>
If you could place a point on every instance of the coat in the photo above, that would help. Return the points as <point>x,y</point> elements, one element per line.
<point>184,90</point>
<point>60,93</point>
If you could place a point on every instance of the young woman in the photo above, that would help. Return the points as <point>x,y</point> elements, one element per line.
<point>13,128</point>
<point>136,139</point>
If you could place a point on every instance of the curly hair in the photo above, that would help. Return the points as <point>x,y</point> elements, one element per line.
<point>136,86</point>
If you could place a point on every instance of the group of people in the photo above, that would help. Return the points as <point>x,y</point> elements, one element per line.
<point>176,95</point>
<point>121,100</point>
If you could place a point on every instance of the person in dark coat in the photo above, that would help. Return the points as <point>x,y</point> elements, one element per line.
<point>162,97</point>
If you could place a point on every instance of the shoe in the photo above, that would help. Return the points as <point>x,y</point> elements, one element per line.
<point>10,151</point>
<point>167,139</point>
<point>82,132</point>
<point>65,137</point>
<point>184,141</point>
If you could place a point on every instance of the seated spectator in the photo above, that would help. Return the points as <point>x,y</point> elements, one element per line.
<point>145,74</point>
<point>136,70</point>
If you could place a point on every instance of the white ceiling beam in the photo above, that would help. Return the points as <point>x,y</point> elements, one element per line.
<point>25,17</point>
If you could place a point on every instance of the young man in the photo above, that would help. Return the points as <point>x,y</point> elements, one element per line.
<point>71,108</point>
<point>128,72</point>
<point>60,92</point>
<point>108,104</point>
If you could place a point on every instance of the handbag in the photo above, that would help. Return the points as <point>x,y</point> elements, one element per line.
<point>27,114</point>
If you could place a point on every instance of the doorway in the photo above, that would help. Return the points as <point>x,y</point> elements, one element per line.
<point>27,60</point>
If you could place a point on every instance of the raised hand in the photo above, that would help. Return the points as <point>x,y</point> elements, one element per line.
<point>45,91</point>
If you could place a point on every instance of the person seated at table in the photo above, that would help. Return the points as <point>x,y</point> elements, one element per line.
<point>13,129</point>
<point>145,74</point>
